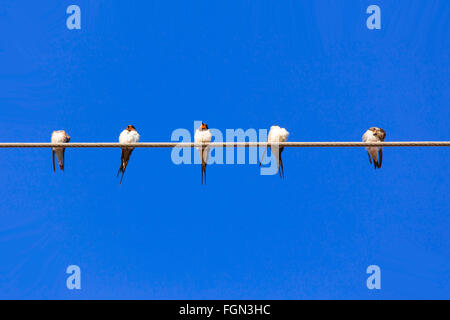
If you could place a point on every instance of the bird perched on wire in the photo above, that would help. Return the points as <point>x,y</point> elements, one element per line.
<point>276,135</point>
<point>375,134</point>
<point>129,135</point>
<point>59,136</point>
<point>203,135</point>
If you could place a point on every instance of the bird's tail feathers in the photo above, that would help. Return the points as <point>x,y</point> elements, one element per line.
<point>280,166</point>
<point>124,158</point>
<point>53,158</point>
<point>121,178</point>
<point>203,167</point>
<point>374,153</point>
<point>61,159</point>
<point>380,157</point>
<point>262,158</point>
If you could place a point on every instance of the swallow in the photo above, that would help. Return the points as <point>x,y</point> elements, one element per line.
<point>59,136</point>
<point>203,135</point>
<point>276,135</point>
<point>129,135</point>
<point>375,134</point>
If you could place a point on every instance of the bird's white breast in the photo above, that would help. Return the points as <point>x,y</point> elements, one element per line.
<point>129,137</point>
<point>59,136</point>
<point>202,136</point>
<point>277,134</point>
<point>368,136</point>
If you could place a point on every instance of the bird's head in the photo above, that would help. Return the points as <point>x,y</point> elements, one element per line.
<point>204,126</point>
<point>131,128</point>
<point>380,133</point>
<point>373,130</point>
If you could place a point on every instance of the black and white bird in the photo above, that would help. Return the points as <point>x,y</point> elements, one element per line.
<point>276,135</point>
<point>203,135</point>
<point>59,136</point>
<point>129,135</point>
<point>375,134</point>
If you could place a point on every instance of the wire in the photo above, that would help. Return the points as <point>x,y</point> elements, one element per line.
<point>225,144</point>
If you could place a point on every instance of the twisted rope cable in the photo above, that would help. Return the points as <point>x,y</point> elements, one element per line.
<point>224,144</point>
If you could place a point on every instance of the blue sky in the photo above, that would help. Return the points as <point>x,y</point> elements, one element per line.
<point>312,67</point>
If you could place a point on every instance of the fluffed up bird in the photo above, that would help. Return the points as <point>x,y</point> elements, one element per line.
<point>276,135</point>
<point>203,135</point>
<point>129,135</point>
<point>375,134</point>
<point>59,136</point>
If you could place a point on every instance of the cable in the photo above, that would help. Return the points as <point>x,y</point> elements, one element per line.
<point>225,144</point>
